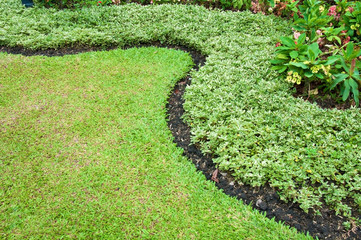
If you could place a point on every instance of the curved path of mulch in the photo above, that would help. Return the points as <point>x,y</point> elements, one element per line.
<point>265,198</point>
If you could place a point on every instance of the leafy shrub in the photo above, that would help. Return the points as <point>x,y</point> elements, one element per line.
<point>223,4</point>
<point>73,3</point>
<point>316,51</point>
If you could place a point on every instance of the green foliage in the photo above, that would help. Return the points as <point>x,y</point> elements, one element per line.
<point>327,30</point>
<point>72,3</point>
<point>241,4</point>
<point>312,18</point>
<point>239,109</point>
<point>352,20</point>
<point>301,61</point>
<point>350,77</point>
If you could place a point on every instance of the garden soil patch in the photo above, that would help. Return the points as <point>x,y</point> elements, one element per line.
<point>265,199</point>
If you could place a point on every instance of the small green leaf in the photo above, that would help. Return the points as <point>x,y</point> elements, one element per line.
<point>277,61</point>
<point>343,63</point>
<point>319,75</point>
<point>282,56</point>
<point>282,69</point>
<point>339,77</point>
<point>338,39</point>
<point>288,42</point>
<point>301,38</point>
<point>331,60</point>
<point>346,90</point>
<point>349,49</point>
<point>308,74</point>
<point>355,91</point>
<point>313,51</point>
<point>294,54</point>
<point>299,64</point>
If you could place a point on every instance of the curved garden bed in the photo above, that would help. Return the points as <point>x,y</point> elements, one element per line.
<point>239,111</point>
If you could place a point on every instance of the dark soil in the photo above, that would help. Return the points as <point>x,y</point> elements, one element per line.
<point>265,198</point>
<point>324,99</point>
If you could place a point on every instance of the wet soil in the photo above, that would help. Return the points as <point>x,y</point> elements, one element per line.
<point>265,199</point>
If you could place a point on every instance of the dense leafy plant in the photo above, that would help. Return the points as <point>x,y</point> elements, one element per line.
<point>323,35</point>
<point>73,3</point>
<point>350,75</point>
<point>241,4</point>
<point>302,61</point>
<point>223,4</point>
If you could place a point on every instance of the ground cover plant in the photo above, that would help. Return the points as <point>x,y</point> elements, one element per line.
<point>240,111</point>
<point>86,153</point>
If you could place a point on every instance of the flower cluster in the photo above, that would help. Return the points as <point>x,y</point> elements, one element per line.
<point>293,77</point>
<point>332,11</point>
<point>355,27</point>
<point>326,71</point>
<point>315,68</point>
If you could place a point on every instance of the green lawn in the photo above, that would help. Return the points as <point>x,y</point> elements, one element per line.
<point>240,111</point>
<point>85,152</point>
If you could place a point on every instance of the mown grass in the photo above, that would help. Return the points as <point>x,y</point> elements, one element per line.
<point>239,109</point>
<point>85,152</point>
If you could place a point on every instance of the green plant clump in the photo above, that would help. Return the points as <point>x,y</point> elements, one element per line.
<point>76,4</point>
<point>239,109</point>
<point>325,48</point>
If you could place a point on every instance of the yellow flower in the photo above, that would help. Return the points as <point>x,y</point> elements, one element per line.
<point>309,171</point>
<point>326,70</point>
<point>321,8</point>
<point>315,69</point>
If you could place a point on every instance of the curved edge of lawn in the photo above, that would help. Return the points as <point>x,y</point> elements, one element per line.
<point>237,219</point>
<point>257,130</point>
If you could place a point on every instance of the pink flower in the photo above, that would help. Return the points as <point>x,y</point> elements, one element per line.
<point>332,11</point>
<point>296,42</point>
<point>320,42</point>
<point>296,35</point>
<point>346,40</point>
<point>319,32</point>
<point>350,9</point>
<point>278,44</point>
